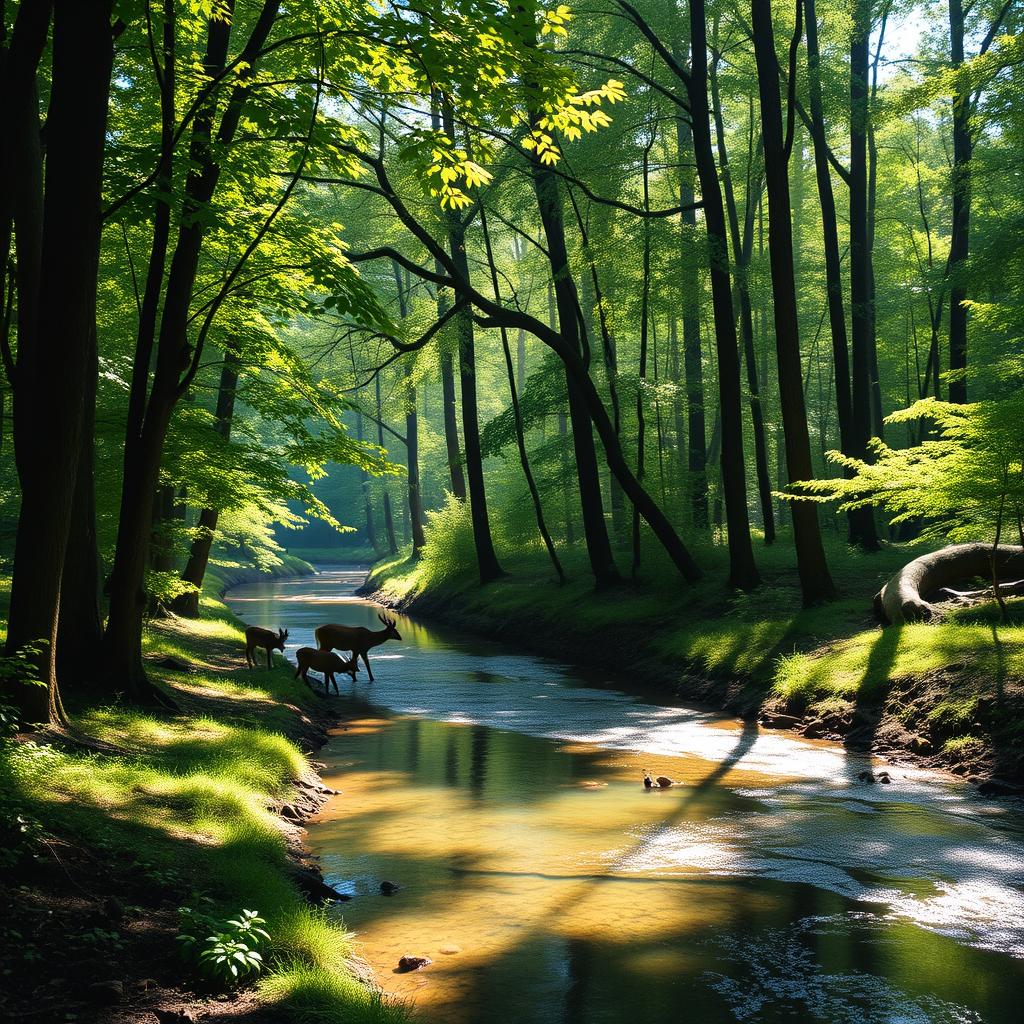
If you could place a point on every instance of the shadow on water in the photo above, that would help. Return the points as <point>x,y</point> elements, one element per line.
<point>566,894</point>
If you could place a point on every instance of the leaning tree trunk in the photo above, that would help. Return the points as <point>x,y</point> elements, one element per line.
<point>599,549</point>
<point>905,597</point>
<point>815,582</point>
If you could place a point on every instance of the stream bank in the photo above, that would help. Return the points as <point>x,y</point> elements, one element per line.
<point>948,695</point>
<point>141,811</point>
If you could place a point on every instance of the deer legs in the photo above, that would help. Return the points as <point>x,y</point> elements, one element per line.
<point>366,662</point>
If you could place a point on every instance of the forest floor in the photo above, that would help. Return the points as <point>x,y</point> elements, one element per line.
<point>108,830</point>
<point>949,694</point>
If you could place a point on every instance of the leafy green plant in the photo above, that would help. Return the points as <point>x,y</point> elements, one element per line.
<point>21,835</point>
<point>225,952</point>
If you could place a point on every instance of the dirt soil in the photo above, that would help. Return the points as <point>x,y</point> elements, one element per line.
<point>103,933</point>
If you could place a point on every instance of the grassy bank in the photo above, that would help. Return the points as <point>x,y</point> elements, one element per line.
<point>109,831</point>
<point>950,692</point>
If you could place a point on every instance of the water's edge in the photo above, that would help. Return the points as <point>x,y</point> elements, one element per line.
<point>734,695</point>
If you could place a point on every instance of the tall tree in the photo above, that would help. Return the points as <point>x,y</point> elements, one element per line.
<point>742,568</point>
<point>58,238</point>
<point>815,582</point>
<point>860,293</point>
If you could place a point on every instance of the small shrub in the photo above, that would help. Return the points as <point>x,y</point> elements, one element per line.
<point>21,835</point>
<point>223,951</point>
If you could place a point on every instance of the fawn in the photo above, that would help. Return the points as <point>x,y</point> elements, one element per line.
<point>328,662</point>
<point>257,636</point>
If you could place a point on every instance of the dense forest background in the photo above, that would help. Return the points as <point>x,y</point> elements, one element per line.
<point>599,286</point>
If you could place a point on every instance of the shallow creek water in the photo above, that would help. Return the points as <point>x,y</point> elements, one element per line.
<point>502,792</point>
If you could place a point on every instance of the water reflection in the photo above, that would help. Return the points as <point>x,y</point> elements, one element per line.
<point>502,792</point>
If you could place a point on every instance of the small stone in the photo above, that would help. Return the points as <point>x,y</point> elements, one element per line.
<point>389,888</point>
<point>105,993</point>
<point>113,908</point>
<point>174,1016</point>
<point>450,949</point>
<point>413,963</point>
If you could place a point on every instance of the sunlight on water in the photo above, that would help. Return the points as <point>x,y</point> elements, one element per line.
<point>502,792</point>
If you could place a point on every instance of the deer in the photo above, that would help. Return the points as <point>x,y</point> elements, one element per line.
<point>357,639</point>
<point>257,636</point>
<point>327,662</point>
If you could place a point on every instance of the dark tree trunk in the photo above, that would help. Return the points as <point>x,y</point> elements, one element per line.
<point>959,240</point>
<point>412,449</point>
<point>645,297</point>
<point>389,519</point>
<point>524,460</point>
<point>815,582</point>
<point>53,361</point>
<point>80,626</point>
<point>693,367</point>
<point>860,297</point>
<point>364,487</point>
<point>833,265</point>
<point>199,555</point>
<point>451,429</point>
<point>143,451</point>
<point>742,569</point>
<point>742,247</point>
<point>595,530</point>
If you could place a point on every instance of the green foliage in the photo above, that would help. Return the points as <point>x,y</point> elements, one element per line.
<point>226,951</point>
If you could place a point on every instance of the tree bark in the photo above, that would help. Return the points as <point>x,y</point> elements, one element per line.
<point>742,569</point>
<point>833,266</point>
<point>742,247</point>
<point>959,239</point>
<point>815,582</point>
<point>860,297</point>
<point>194,573</point>
<point>122,647</point>
<point>389,519</point>
<point>53,361</point>
<point>602,563</point>
<point>693,367</point>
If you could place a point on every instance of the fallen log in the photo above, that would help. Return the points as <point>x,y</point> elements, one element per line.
<point>904,597</point>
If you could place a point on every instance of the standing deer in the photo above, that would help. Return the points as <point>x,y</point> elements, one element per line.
<point>327,662</point>
<point>257,636</point>
<point>357,639</point>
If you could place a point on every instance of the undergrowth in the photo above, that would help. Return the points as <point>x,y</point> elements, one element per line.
<point>183,798</point>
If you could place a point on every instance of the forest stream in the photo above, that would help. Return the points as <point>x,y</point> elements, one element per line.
<point>503,793</point>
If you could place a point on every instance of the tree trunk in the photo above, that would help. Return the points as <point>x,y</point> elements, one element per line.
<point>389,519</point>
<point>693,369</point>
<point>742,569</point>
<point>194,573</point>
<point>742,247</point>
<point>815,582</point>
<point>959,240</point>
<point>143,451</point>
<point>80,625</point>
<point>53,362</point>
<point>524,460</point>
<point>412,450</point>
<point>595,530</point>
<point>833,266</point>
<point>860,298</point>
